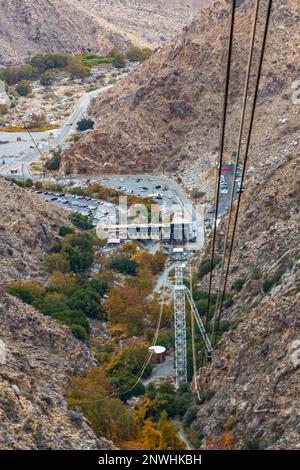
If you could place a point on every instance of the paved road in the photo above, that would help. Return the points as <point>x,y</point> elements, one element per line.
<point>164,279</point>
<point>164,370</point>
<point>59,137</point>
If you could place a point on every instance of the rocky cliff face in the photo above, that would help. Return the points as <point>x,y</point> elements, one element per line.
<point>28,227</point>
<point>40,354</point>
<point>28,27</point>
<point>36,353</point>
<point>255,373</point>
<point>168,112</point>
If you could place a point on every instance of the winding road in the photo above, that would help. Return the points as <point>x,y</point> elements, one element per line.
<point>13,147</point>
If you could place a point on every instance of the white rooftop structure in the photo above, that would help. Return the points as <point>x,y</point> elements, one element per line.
<point>157,349</point>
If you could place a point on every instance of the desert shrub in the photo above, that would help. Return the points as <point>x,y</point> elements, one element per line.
<point>228,302</point>
<point>56,262</point>
<point>198,194</point>
<point>27,291</point>
<point>85,124</point>
<point>56,60</point>
<point>37,121</point>
<point>79,332</point>
<point>28,183</point>
<point>207,396</point>
<point>48,77</point>
<point>256,274</point>
<point>271,282</point>
<point>23,88</point>
<point>10,75</point>
<point>205,265</point>
<point>238,284</point>
<point>27,72</point>
<point>63,231</point>
<point>190,416</point>
<point>251,445</point>
<point>224,326</point>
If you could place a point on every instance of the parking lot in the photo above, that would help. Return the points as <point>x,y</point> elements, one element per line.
<point>101,211</point>
<point>226,182</point>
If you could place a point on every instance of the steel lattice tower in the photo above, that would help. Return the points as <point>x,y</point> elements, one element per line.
<point>180,326</point>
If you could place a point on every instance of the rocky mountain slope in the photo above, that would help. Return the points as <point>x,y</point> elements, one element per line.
<point>36,353</point>
<point>28,227</point>
<point>40,354</point>
<point>168,111</point>
<point>28,27</point>
<point>255,374</point>
<point>148,23</point>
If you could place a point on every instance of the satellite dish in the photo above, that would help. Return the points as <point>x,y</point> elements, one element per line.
<point>157,349</point>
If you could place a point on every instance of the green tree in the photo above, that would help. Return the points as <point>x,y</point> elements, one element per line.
<point>136,54</point>
<point>119,61</point>
<point>169,438</point>
<point>53,163</point>
<point>56,262</point>
<point>78,70</point>
<point>27,72</point>
<point>123,264</point>
<point>84,222</point>
<point>10,75</point>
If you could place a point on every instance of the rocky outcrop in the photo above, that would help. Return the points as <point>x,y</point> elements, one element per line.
<point>253,384</point>
<point>28,228</point>
<point>38,357</point>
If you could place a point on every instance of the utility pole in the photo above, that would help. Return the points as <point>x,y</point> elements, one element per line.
<point>180,326</point>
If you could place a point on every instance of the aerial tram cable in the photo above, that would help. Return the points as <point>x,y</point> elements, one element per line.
<point>220,161</point>
<point>266,28</point>
<point>238,152</point>
<point>28,131</point>
<point>221,151</point>
<point>135,380</point>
